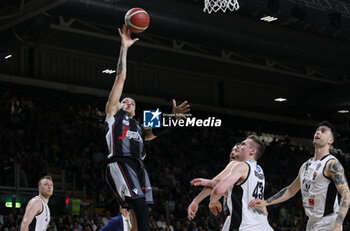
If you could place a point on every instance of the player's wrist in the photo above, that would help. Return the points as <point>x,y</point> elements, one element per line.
<point>124,46</point>
<point>195,201</point>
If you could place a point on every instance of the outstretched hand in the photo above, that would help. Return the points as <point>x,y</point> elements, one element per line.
<point>192,210</point>
<point>180,110</point>
<point>127,41</point>
<point>257,203</point>
<point>215,208</point>
<point>200,182</point>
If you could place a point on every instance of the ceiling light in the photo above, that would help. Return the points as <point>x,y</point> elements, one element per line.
<point>280,99</point>
<point>343,111</point>
<point>7,57</point>
<point>268,19</point>
<point>108,71</point>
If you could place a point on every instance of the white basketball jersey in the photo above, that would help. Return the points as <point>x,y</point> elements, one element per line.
<point>239,196</point>
<point>318,192</point>
<point>41,221</point>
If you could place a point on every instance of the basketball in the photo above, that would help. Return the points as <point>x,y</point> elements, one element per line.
<point>137,20</point>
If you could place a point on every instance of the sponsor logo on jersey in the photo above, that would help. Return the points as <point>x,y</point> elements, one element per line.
<point>259,175</point>
<point>258,168</point>
<point>135,190</point>
<point>318,166</point>
<point>131,135</point>
<point>311,202</point>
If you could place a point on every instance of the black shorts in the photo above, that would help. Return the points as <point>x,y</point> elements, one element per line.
<point>128,178</point>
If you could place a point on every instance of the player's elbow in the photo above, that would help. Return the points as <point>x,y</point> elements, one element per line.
<point>219,191</point>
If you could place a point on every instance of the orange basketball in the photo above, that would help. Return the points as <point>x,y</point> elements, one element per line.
<point>137,20</point>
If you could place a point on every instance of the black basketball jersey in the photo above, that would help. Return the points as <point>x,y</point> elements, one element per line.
<point>124,136</point>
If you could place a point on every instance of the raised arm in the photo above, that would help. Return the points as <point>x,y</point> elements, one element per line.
<point>113,103</point>
<point>237,173</point>
<point>283,195</point>
<point>193,207</point>
<point>213,182</point>
<point>33,208</point>
<point>335,171</point>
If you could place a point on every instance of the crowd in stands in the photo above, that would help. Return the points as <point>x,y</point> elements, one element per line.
<point>38,131</point>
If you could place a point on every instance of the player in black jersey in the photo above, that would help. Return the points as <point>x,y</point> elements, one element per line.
<point>126,173</point>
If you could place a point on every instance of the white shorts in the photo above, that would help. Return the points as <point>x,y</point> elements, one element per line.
<point>323,224</point>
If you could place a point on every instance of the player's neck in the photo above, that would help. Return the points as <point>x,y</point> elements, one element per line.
<point>321,152</point>
<point>46,199</point>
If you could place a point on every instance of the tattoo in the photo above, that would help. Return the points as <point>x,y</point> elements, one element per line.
<point>338,179</point>
<point>344,201</point>
<point>260,211</point>
<point>120,61</point>
<point>276,196</point>
<point>337,170</point>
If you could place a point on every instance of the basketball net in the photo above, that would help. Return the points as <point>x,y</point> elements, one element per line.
<point>216,5</point>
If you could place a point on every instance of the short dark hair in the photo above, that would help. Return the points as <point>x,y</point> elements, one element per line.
<point>332,128</point>
<point>47,177</point>
<point>260,146</point>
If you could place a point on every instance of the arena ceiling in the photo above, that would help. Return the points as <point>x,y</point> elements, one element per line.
<point>303,56</point>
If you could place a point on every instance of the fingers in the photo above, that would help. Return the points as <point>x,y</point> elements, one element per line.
<point>191,215</point>
<point>120,32</point>
<point>174,103</point>
<point>215,208</point>
<point>214,211</point>
<point>191,211</point>
<point>255,203</point>
<point>135,40</point>
<point>195,181</point>
<point>125,29</point>
<point>219,207</point>
<point>251,204</point>
<point>183,103</point>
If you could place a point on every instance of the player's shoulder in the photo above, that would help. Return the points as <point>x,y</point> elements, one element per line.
<point>231,163</point>
<point>111,117</point>
<point>35,199</point>
<point>35,202</point>
<point>242,165</point>
<point>333,162</point>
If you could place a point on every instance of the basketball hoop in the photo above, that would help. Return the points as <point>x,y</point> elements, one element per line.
<point>216,5</point>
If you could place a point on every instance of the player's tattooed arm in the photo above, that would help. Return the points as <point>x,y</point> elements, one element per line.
<point>277,196</point>
<point>335,171</point>
<point>283,195</point>
<point>121,60</point>
<point>113,104</point>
